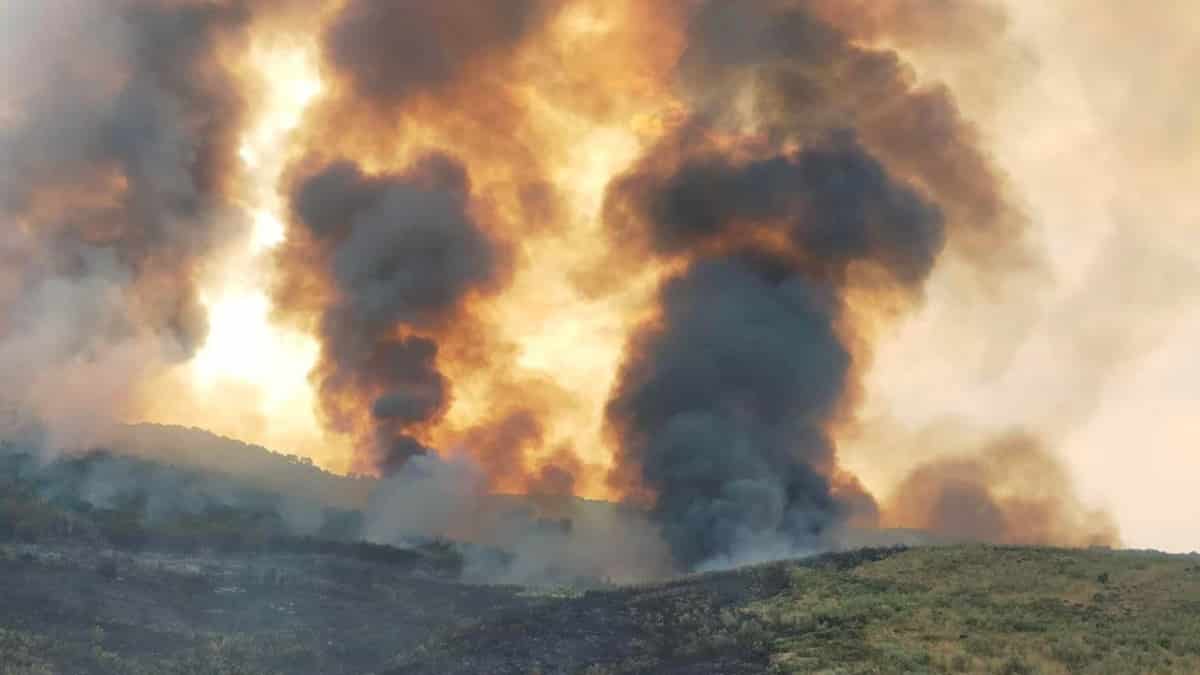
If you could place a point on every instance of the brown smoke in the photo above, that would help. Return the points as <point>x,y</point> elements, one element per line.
<point>410,236</point>
<point>611,248</point>
<point>482,86</point>
<point>792,186</point>
<point>1012,491</point>
<point>118,182</point>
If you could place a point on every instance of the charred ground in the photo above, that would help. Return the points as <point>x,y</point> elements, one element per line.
<point>964,609</point>
<point>977,609</point>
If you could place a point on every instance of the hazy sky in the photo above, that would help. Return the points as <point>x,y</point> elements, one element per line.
<point>1099,129</point>
<point>1089,106</point>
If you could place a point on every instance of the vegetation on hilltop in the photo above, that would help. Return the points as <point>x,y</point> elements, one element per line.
<point>113,565</point>
<point>957,609</point>
<point>101,500</point>
<point>202,450</point>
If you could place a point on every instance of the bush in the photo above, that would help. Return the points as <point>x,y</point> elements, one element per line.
<point>1016,666</point>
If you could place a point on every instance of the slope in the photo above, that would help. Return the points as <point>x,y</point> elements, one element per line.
<point>971,608</point>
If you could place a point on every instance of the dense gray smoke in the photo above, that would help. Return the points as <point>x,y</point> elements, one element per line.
<point>118,147</point>
<point>725,401</point>
<point>847,182</point>
<point>790,184</point>
<point>397,254</point>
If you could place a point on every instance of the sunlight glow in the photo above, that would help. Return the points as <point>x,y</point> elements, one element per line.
<point>249,362</point>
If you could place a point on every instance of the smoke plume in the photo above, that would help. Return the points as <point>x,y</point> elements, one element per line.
<point>1011,491</point>
<point>823,207</point>
<point>118,152</point>
<point>628,250</point>
<point>727,397</point>
<point>399,254</point>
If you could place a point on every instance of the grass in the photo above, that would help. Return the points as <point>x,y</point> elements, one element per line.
<point>962,609</point>
<point>983,609</point>
<point>218,590</point>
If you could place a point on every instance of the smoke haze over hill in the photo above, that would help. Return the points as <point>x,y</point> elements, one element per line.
<point>723,263</point>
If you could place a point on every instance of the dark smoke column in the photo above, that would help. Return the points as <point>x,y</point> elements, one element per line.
<point>846,180</point>
<point>385,269</point>
<point>395,257</point>
<point>725,399</point>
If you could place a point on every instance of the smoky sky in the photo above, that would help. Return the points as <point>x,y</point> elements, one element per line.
<point>1010,491</point>
<point>400,253</point>
<point>119,137</point>
<point>810,185</point>
<point>118,166</point>
<point>390,51</point>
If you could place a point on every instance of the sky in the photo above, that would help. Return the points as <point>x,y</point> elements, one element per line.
<point>1100,136</point>
<point>1088,108</point>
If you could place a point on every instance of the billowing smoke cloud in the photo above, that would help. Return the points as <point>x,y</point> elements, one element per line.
<point>391,51</point>
<point>802,200</point>
<point>783,191</point>
<point>1012,491</point>
<point>118,145</point>
<point>399,255</point>
<point>726,399</point>
<point>441,72</point>
<point>407,83</point>
<point>815,174</point>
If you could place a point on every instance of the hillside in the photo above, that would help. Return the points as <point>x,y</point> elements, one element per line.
<point>969,609</point>
<point>975,609</point>
<point>113,564</point>
<point>202,450</point>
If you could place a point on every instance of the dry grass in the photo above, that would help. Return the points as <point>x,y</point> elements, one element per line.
<point>982,609</point>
